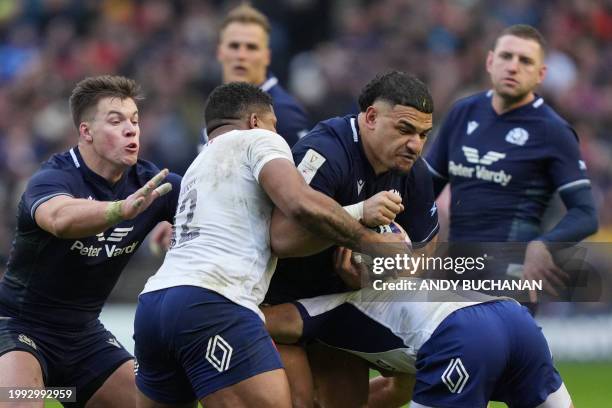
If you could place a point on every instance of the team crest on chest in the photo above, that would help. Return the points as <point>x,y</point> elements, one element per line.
<point>517,136</point>
<point>471,126</point>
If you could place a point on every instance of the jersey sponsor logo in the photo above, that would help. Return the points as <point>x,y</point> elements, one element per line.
<point>480,171</point>
<point>360,184</point>
<point>26,340</point>
<point>310,164</point>
<point>455,376</point>
<point>471,126</point>
<point>218,353</point>
<point>117,235</point>
<point>111,250</point>
<point>471,155</point>
<point>517,136</point>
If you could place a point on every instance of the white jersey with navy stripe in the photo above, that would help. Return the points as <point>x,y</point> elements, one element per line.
<point>221,239</point>
<point>411,316</point>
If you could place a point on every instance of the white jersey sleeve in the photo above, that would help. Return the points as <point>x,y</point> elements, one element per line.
<point>264,147</point>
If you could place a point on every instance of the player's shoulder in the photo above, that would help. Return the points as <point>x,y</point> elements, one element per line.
<point>330,137</point>
<point>473,101</point>
<point>262,138</point>
<point>280,97</point>
<point>244,137</point>
<point>419,174</point>
<point>420,169</point>
<point>144,170</point>
<point>62,161</point>
<point>336,130</point>
<point>556,126</point>
<point>261,133</point>
<point>60,165</point>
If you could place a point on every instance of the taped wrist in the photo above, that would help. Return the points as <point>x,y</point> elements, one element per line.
<point>355,210</point>
<point>113,212</point>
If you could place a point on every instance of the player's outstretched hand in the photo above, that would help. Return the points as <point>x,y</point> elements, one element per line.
<point>381,208</point>
<point>142,198</point>
<point>539,265</point>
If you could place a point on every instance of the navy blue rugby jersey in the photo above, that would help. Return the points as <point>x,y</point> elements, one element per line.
<point>503,169</point>
<point>332,161</point>
<point>292,121</point>
<point>65,282</point>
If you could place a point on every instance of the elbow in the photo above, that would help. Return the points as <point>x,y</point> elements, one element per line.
<point>592,225</point>
<point>300,211</point>
<point>296,210</point>
<point>589,221</point>
<point>278,246</point>
<point>60,229</point>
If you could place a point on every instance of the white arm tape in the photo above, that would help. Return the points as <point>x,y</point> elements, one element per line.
<point>355,210</point>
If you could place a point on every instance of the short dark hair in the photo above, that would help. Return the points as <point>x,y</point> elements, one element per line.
<point>397,88</point>
<point>233,101</point>
<point>246,14</point>
<point>88,92</point>
<point>525,32</point>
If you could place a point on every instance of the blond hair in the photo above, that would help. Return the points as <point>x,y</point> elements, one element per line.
<point>246,14</point>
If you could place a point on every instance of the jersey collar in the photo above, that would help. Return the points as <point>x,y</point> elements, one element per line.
<point>92,176</point>
<point>269,84</point>
<point>357,140</point>
<point>537,102</point>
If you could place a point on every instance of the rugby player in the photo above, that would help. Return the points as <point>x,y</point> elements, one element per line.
<point>81,218</point>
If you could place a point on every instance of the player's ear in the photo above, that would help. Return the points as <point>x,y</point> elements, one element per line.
<point>489,62</point>
<point>542,73</point>
<point>370,116</point>
<point>253,121</point>
<point>85,131</point>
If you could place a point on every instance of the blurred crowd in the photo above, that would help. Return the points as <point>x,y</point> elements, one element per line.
<point>323,51</point>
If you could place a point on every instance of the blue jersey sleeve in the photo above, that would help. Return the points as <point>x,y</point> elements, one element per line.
<point>566,169</point>
<point>44,185</point>
<point>322,162</point>
<point>420,215</point>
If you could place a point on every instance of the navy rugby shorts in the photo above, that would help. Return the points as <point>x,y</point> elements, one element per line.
<point>191,342</point>
<point>83,358</point>
<point>489,351</point>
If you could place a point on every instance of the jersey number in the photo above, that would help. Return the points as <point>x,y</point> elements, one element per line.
<point>186,234</point>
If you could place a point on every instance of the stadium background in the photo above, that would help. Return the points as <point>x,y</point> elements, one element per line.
<point>323,51</point>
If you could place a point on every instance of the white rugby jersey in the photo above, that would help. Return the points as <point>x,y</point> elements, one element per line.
<point>412,316</point>
<point>221,230</point>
